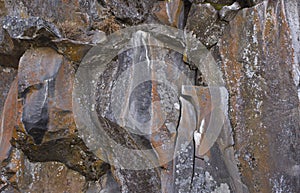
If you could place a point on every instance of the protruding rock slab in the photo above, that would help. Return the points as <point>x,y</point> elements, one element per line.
<point>258,60</point>
<point>203,21</point>
<point>46,130</point>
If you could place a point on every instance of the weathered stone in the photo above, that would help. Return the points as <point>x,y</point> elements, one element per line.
<point>8,120</point>
<point>184,149</point>
<point>213,140</point>
<point>259,54</point>
<point>10,50</point>
<point>28,25</point>
<point>73,50</point>
<point>7,76</point>
<point>223,2</point>
<point>106,184</point>
<point>37,71</point>
<point>6,43</point>
<point>227,13</point>
<point>218,2</point>
<point>249,3</point>
<point>80,14</point>
<point>131,12</point>
<point>26,176</point>
<point>204,23</point>
<point>170,12</point>
<point>29,28</point>
<point>138,180</point>
<point>52,177</point>
<point>151,92</point>
<point>46,80</point>
<point>263,97</point>
<point>3,10</point>
<point>38,67</point>
<point>131,180</point>
<point>292,10</point>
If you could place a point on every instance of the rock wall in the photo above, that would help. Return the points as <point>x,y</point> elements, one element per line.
<point>249,49</point>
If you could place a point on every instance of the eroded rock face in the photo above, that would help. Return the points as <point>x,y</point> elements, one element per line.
<point>8,120</point>
<point>132,12</point>
<point>256,46</point>
<point>7,76</point>
<point>39,177</point>
<point>264,99</point>
<point>45,119</point>
<point>203,21</point>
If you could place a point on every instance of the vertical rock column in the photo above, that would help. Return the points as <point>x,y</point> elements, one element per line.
<point>257,60</point>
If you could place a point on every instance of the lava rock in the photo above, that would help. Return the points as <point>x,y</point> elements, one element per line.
<point>8,120</point>
<point>203,21</point>
<point>264,98</point>
<point>162,11</point>
<point>52,176</point>
<point>227,13</point>
<point>7,77</point>
<point>46,129</point>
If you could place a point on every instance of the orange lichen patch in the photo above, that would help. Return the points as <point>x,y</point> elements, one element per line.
<point>8,120</point>
<point>242,116</point>
<point>73,50</point>
<point>253,59</point>
<point>71,29</point>
<point>19,128</point>
<point>109,25</point>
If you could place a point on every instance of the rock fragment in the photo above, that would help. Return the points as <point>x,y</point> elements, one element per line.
<point>203,21</point>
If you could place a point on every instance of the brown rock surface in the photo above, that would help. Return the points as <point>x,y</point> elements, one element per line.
<point>8,120</point>
<point>7,76</point>
<point>203,21</point>
<point>52,177</point>
<point>258,60</point>
<point>152,123</point>
<point>46,109</point>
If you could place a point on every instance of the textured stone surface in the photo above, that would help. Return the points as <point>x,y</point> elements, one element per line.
<point>8,120</point>
<point>203,21</point>
<point>153,104</point>
<point>264,100</point>
<point>227,13</point>
<point>26,176</point>
<point>255,44</point>
<point>38,22</point>
<point>45,120</point>
<point>131,12</point>
<point>7,76</point>
<point>170,13</point>
<point>70,16</point>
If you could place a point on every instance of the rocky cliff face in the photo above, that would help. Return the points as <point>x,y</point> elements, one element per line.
<point>150,96</point>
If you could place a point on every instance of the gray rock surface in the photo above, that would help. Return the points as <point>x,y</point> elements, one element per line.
<point>213,108</point>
